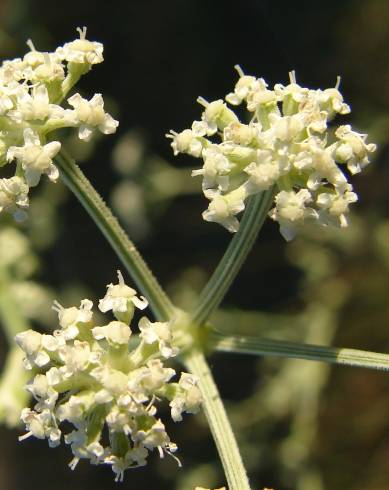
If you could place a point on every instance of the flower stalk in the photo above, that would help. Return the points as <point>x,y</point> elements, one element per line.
<point>234,257</point>
<point>218,421</point>
<point>268,347</point>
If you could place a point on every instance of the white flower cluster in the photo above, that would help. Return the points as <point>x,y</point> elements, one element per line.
<point>88,377</point>
<point>31,90</point>
<point>286,144</point>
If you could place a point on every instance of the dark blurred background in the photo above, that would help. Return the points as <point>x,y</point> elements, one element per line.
<point>301,425</point>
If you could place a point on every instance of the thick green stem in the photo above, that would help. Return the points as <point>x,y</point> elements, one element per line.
<point>234,257</point>
<point>218,421</point>
<point>268,347</point>
<point>100,213</point>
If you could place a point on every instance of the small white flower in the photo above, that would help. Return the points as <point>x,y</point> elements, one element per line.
<point>90,114</point>
<point>31,343</point>
<point>241,134</point>
<point>133,459</point>
<point>352,149</point>
<point>261,98</point>
<point>115,332</point>
<point>216,116</point>
<point>188,398</point>
<point>14,197</point>
<point>186,142</point>
<point>337,203</point>
<point>119,420</point>
<point>11,71</point>
<point>291,93</point>
<point>70,318</point>
<point>114,383</point>
<point>76,357</point>
<point>96,452</point>
<point>74,410</point>
<point>155,437</point>
<point>216,168</point>
<point>42,391</point>
<point>263,173</point>
<point>51,70</point>
<point>33,58</point>
<point>35,158</point>
<point>223,208</point>
<point>150,378</point>
<point>32,107</point>
<point>121,299</point>
<point>81,51</point>
<point>321,165</point>
<point>331,100</point>
<point>158,332</point>
<point>245,85</point>
<point>54,376</point>
<point>291,211</point>
<point>286,128</point>
<point>41,425</point>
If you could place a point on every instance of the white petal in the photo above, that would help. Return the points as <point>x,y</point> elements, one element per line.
<point>105,304</point>
<point>52,148</point>
<point>53,173</point>
<point>140,303</point>
<point>74,100</point>
<point>41,359</point>
<point>85,132</point>
<point>109,126</point>
<point>32,176</point>
<point>31,138</point>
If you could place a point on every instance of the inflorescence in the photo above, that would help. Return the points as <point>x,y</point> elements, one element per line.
<point>88,376</point>
<point>287,144</point>
<point>31,91</point>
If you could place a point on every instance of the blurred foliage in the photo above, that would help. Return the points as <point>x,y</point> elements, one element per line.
<point>301,425</point>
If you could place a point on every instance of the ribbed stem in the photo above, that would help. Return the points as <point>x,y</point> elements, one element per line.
<point>218,421</point>
<point>74,178</point>
<point>268,347</point>
<point>234,257</point>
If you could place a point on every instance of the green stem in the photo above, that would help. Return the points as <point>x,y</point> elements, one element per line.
<point>100,213</point>
<point>12,320</point>
<point>218,421</point>
<point>13,396</point>
<point>234,257</point>
<point>268,347</point>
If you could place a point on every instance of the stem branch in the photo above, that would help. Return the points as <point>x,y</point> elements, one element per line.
<point>234,257</point>
<point>218,421</point>
<point>268,347</point>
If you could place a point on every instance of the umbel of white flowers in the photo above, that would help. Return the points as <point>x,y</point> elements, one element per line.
<point>88,376</point>
<point>31,91</point>
<point>286,144</point>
